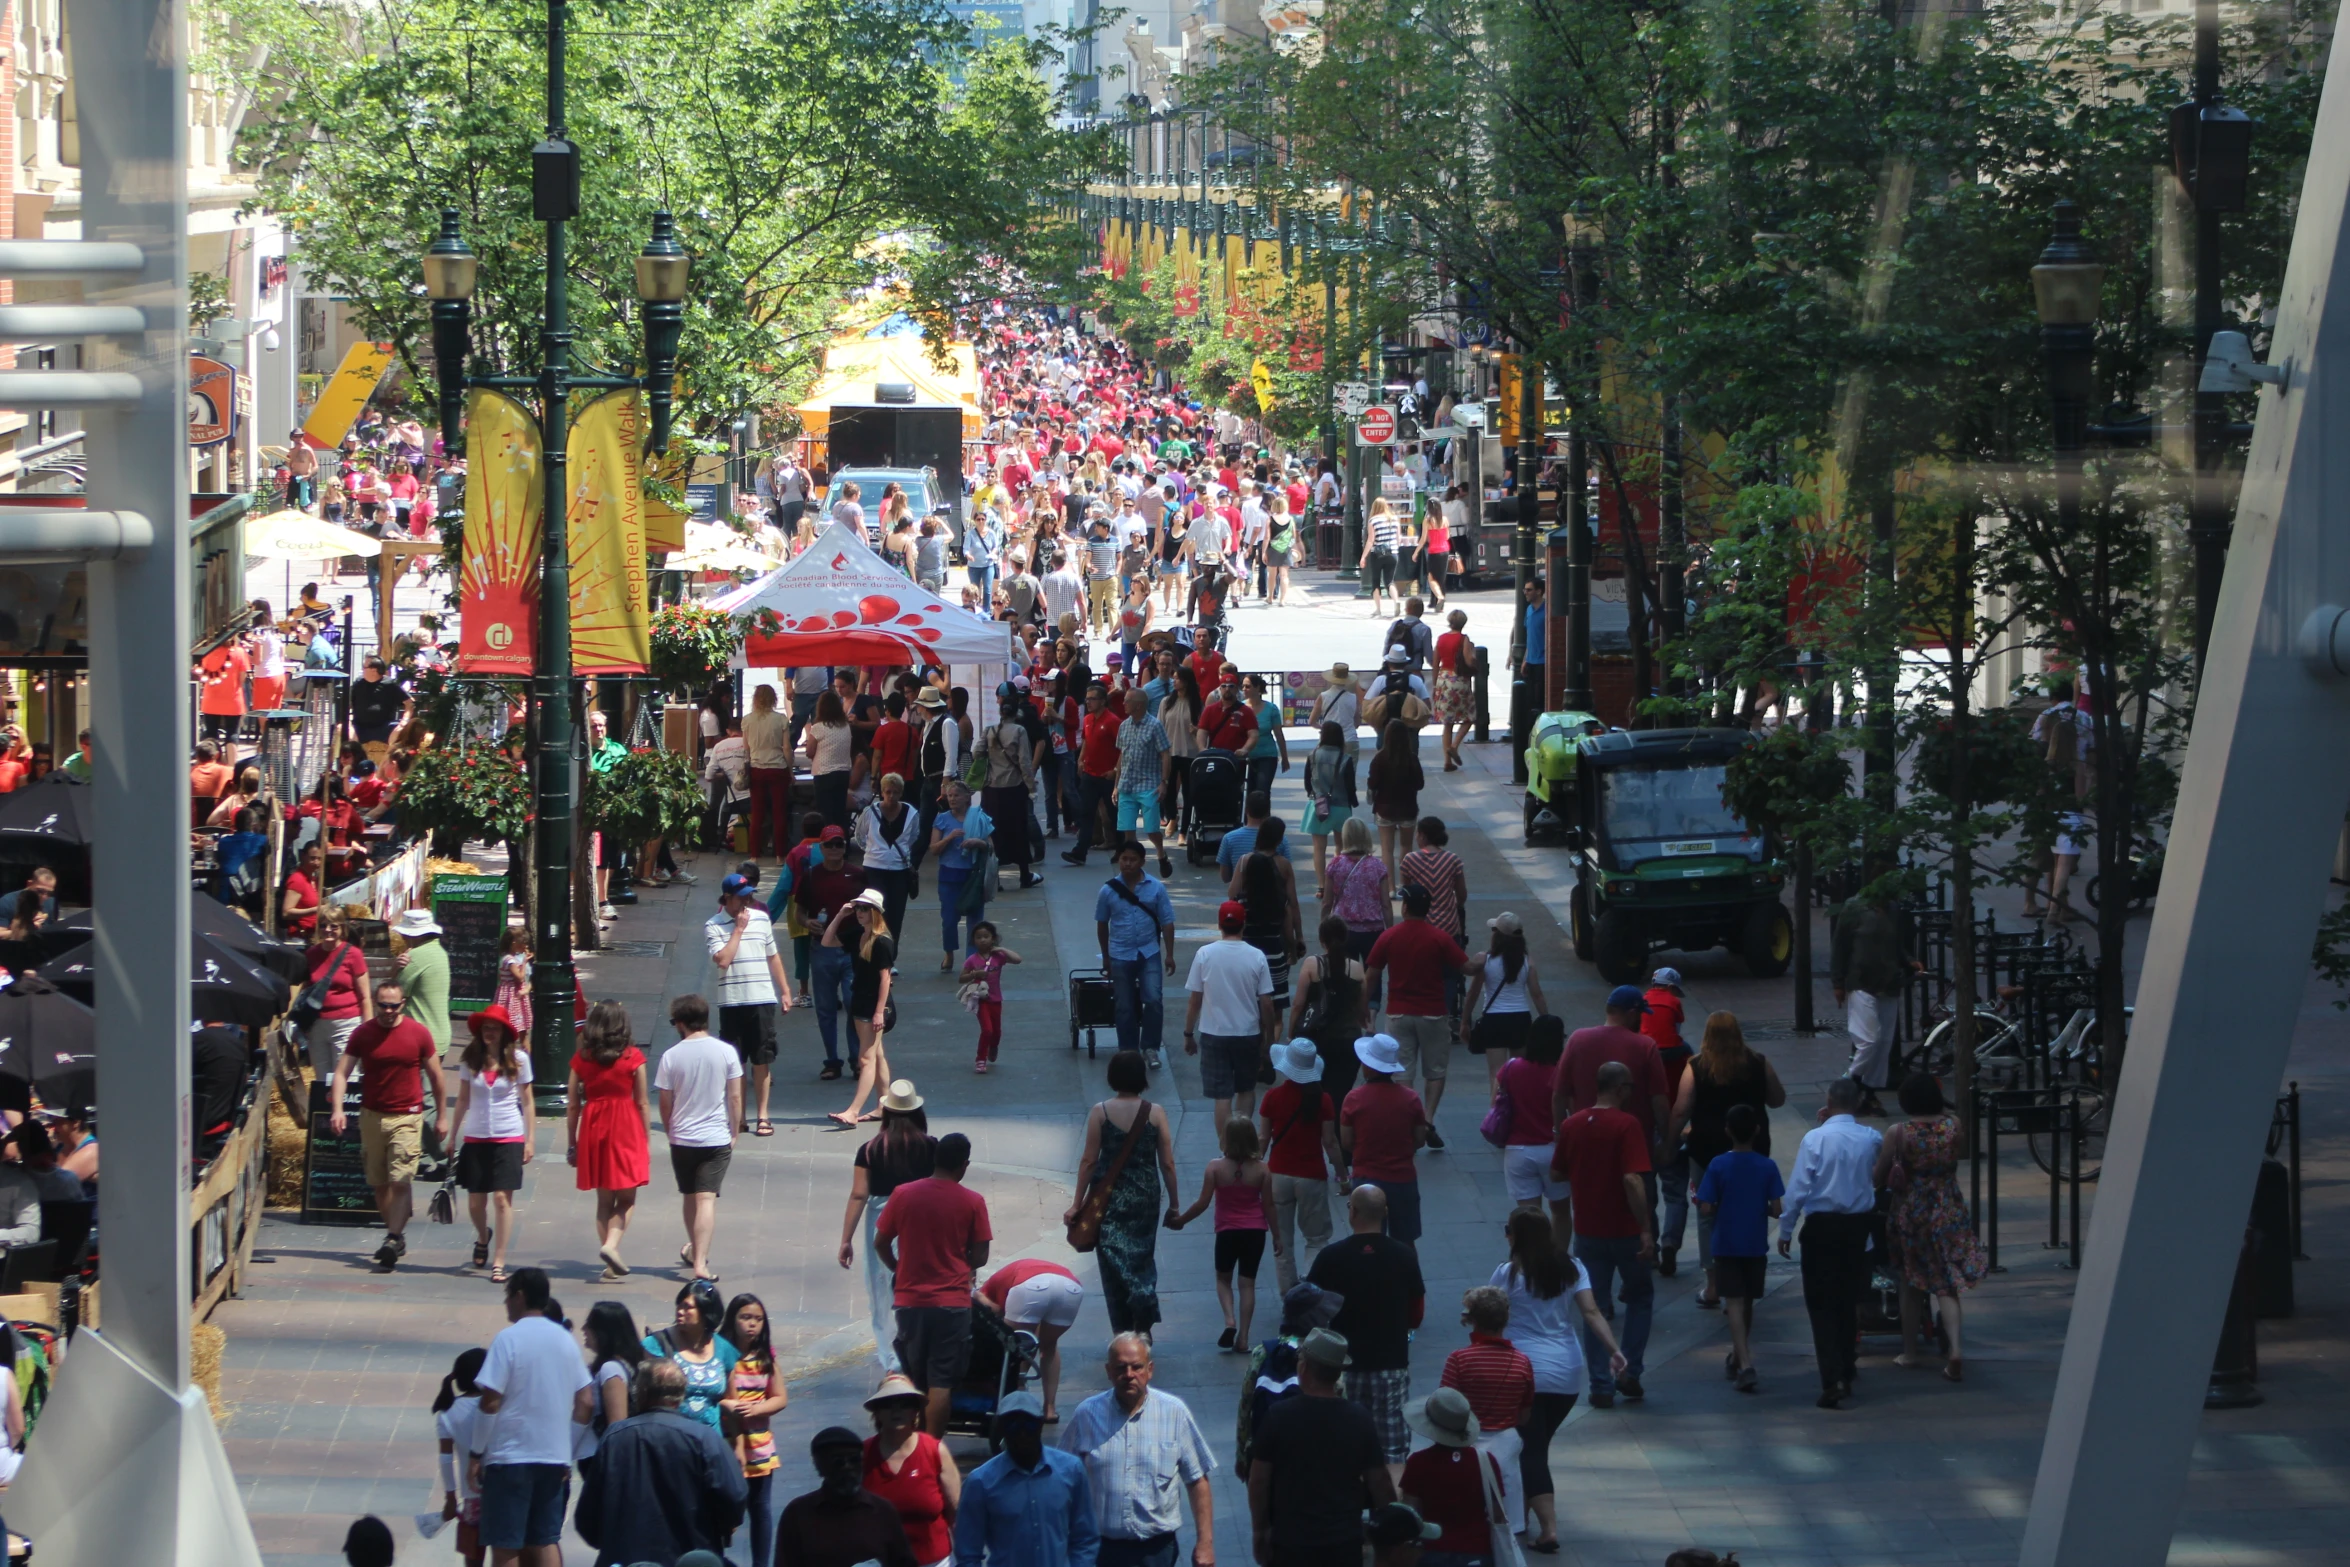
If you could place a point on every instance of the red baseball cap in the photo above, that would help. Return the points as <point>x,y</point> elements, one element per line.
<point>1231,914</point>
<point>832,835</point>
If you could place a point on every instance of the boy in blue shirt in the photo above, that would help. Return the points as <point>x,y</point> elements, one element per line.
<point>1740,1194</point>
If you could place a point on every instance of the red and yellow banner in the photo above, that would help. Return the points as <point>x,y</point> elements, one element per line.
<point>604,520</point>
<point>498,579</point>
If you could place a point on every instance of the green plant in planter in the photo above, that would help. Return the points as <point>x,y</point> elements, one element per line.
<point>457,794</point>
<point>692,645</point>
<point>645,795</point>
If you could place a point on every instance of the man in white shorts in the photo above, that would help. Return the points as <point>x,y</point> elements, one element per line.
<point>1042,1297</point>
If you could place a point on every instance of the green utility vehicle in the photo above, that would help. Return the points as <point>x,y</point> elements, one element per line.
<point>1550,773</point>
<point>1661,861</point>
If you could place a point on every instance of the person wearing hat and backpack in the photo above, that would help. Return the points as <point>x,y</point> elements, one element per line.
<point>1317,1461</point>
<point>1452,1483</point>
<point>424,974</point>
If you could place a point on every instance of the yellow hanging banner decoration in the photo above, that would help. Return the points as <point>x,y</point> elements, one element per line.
<point>498,576</point>
<point>611,615</point>
<point>664,523</point>
<point>337,408</point>
<point>1260,376</point>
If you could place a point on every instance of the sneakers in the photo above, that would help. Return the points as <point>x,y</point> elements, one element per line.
<point>1073,856</point>
<point>980,1067</point>
<point>1629,1386</point>
<point>388,1255</point>
<point>1435,1138</point>
<point>1153,1060</point>
<point>607,912</point>
<point>1748,1382</point>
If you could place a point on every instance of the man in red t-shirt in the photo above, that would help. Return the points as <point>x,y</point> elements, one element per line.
<point>1418,957</point>
<point>1228,724</point>
<point>1602,1155</point>
<point>1207,665</point>
<point>393,1056</point>
<point>893,740</point>
<point>1618,1039</point>
<point>933,1235</point>
<point>1097,774</point>
<point>1301,1149</point>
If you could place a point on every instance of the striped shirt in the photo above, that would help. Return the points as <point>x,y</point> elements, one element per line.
<point>1494,1377</point>
<point>1386,532</point>
<point>1142,744</point>
<point>1438,870</point>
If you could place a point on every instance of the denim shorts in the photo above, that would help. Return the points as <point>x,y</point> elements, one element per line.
<point>523,1505</point>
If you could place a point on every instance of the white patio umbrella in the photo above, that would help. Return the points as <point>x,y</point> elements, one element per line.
<point>296,535</point>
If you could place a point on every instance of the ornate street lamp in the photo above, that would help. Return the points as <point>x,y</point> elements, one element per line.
<point>2068,285</point>
<point>450,271</point>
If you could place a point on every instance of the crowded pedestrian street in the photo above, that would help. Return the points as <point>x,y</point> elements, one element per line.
<point>331,1367</point>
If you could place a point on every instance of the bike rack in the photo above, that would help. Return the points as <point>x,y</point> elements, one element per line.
<point>2054,1112</point>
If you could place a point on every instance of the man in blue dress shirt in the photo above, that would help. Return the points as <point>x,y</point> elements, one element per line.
<point>1134,920</point>
<point>1028,1506</point>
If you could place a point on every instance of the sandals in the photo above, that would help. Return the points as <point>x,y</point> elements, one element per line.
<point>762,1127</point>
<point>481,1255</point>
<point>498,1274</point>
<point>1954,1370</point>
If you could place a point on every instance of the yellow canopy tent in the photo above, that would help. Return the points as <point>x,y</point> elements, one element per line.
<point>853,365</point>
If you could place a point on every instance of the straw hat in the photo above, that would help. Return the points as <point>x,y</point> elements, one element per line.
<point>895,1388</point>
<point>1339,675</point>
<point>901,1097</point>
<point>1443,1417</point>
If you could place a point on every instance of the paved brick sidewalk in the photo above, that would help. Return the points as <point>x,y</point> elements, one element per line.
<point>331,1367</point>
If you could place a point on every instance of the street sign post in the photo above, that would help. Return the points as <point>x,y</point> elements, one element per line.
<point>1351,397</point>
<point>1375,425</point>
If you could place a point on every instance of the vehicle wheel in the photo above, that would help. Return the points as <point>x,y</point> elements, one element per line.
<point>1766,940</point>
<point>2089,892</point>
<point>1579,921</point>
<point>1620,946</point>
<point>1531,809</point>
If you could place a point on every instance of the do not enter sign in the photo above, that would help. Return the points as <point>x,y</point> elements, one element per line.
<point>1375,426</point>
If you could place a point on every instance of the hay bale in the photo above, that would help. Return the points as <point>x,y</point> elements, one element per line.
<point>288,1139</point>
<point>206,1346</point>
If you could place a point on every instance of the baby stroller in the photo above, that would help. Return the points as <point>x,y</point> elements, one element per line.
<point>1003,1361</point>
<point>1211,803</point>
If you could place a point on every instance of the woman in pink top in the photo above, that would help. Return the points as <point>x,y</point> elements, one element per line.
<point>1236,1184</point>
<point>1526,1081</point>
<point>1354,889</point>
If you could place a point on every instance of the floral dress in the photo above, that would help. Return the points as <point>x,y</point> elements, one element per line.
<point>1127,1252</point>
<point>1932,1242</point>
<point>514,991</point>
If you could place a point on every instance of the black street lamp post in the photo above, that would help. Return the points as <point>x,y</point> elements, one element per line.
<point>450,270</point>
<point>2211,152</point>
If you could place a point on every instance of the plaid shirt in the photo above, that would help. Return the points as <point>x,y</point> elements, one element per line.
<point>1142,748</point>
<point>1494,1376</point>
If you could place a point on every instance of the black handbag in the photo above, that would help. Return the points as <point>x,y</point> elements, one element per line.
<point>310,1005</point>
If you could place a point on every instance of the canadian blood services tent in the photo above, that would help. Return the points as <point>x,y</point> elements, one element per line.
<point>839,603</point>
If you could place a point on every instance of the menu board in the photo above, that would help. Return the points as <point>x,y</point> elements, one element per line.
<point>334,1177</point>
<point>472,915</point>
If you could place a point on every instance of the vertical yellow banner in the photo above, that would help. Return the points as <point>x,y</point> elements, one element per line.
<point>664,523</point>
<point>611,618</point>
<point>498,578</point>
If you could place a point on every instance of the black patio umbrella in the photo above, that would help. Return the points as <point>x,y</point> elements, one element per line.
<point>224,986</point>
<point>49,1042</point>
<point>206,917</point>
<point>52,812</point>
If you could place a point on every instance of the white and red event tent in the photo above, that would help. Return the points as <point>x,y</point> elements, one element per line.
<point>839,603</point>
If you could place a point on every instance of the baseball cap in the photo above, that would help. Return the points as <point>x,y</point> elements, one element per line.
<point>1396,1523</point>
<point>1506,922</point>
<point>1626,998</point>
<point>1021,1403</point>
<point>832,835</point>
<point>735,886</point>
<point>1668,978</point>
<point>1232,912</point>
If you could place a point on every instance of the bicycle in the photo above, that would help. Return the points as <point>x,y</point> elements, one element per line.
<point>2075,1057</point>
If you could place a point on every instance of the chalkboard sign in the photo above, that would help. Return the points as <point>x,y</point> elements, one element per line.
<point>472,915</point>
<point>334,1176</point>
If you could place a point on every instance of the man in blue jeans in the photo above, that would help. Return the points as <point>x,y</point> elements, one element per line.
<point>1135,921</point>
<point>534,1389</point>
<point>1602,1154</point>
<point>830,885</point>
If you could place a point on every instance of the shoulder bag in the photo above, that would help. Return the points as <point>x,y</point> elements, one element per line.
<point>1085,1231</point>
<point>1495,1128</point>
<point>310,1005</point>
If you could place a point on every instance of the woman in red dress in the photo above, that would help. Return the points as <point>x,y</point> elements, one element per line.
<point>912,1471</point>
<point>609,1140</point>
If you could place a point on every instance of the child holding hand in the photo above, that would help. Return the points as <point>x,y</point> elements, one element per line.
<point>982,990</point>
<point>1237,1184</point>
